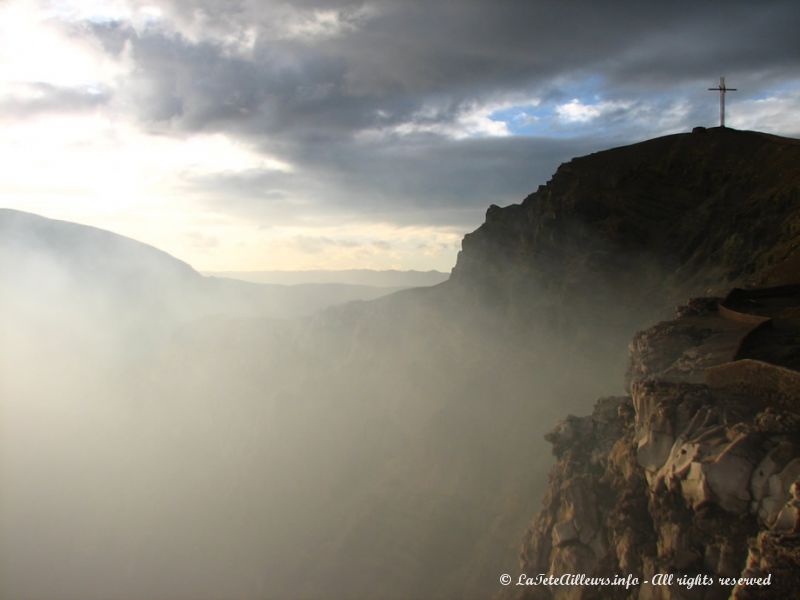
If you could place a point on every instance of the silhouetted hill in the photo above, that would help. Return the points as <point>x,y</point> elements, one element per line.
<point>115,271</point>
<point>650,223</point>
<point>92,255</point>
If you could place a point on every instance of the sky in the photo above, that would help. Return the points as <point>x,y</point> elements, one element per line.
<point>268,135</point>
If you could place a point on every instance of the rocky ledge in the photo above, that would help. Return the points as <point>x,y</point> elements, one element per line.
<point>695,472</point>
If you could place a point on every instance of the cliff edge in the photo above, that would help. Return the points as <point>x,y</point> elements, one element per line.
<point>653,223</point>
<point>695,473</point>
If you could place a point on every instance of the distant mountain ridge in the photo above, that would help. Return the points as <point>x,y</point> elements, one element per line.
<point>386,278</point>
<point>127,272</point>
<point>86,250</point>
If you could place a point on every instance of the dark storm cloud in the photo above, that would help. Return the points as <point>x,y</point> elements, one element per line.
<point>406,52</point>
<point>422,180</point>
<point>307,81</point>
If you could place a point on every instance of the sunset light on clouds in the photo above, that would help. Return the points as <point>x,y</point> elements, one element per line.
<point>251,135</point>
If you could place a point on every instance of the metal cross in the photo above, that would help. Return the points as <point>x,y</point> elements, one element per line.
<point>722,89</point>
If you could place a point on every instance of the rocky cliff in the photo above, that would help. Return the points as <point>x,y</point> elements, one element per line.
<point>653,223</point>
<point>695,473</point>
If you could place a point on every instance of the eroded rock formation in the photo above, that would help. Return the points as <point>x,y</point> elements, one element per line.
<point>695,472</point>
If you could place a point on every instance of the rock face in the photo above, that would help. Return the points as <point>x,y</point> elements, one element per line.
<point>695,472</point>
<point>653,223</point>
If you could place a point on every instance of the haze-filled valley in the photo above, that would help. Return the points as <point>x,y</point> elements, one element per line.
<point>169,435</point>
<point>156,446</point>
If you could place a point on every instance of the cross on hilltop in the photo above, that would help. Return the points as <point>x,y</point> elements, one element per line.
<point>722,89</point>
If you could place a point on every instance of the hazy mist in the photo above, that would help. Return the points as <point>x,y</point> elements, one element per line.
<point>160,444</point>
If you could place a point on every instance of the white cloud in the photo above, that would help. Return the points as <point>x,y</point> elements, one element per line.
<point>474,120</point>
<point>576,111</point>
<point>87,10</point>
<point>35,48</point>
<point>102,152</point>
<point>523,119</point>
<point>318,24</point>
<point>104,171</point>
<point>778,114</point>
<point>253,22</point>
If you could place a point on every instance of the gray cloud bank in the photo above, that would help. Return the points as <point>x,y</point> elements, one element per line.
<point>378,104</point>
